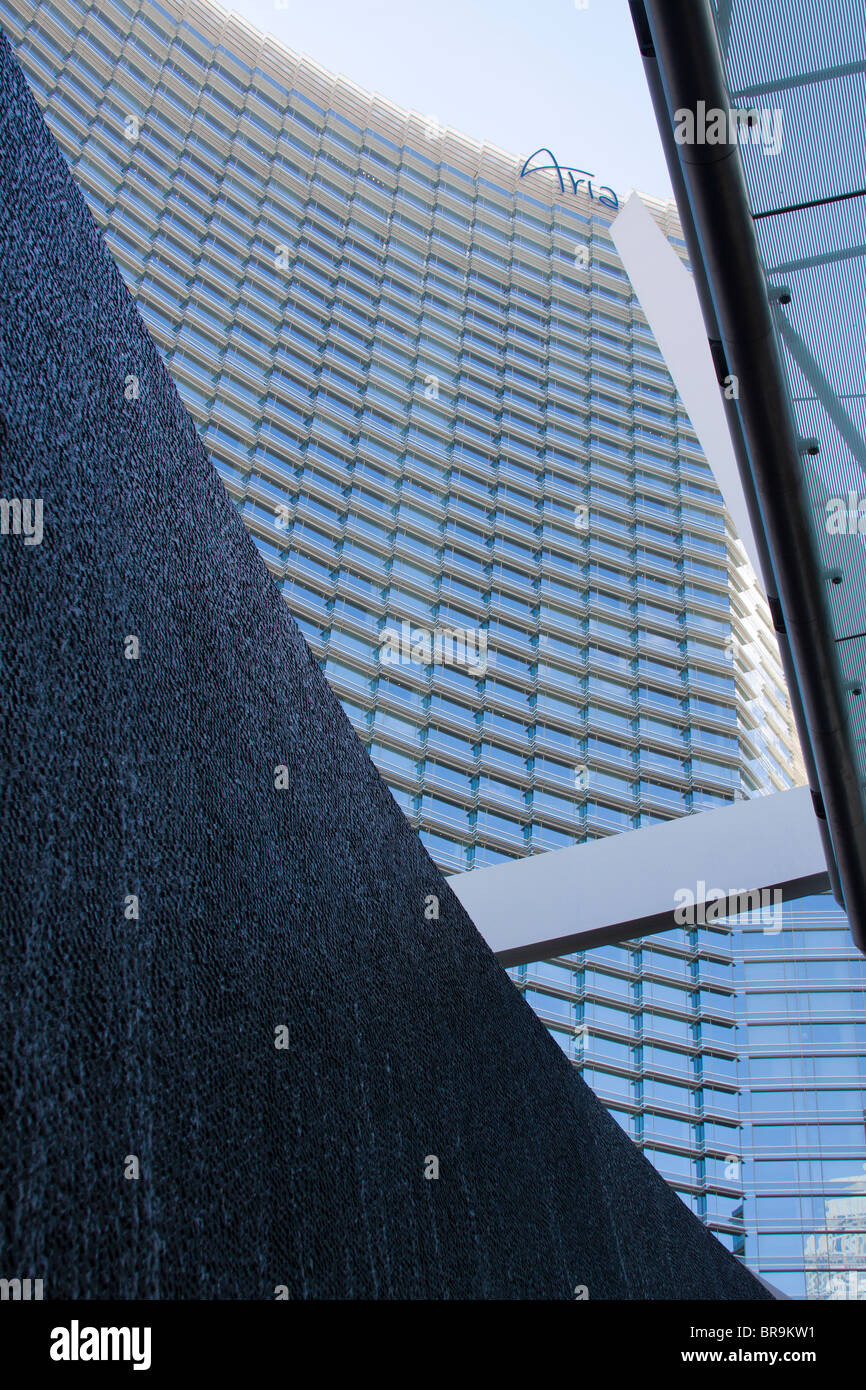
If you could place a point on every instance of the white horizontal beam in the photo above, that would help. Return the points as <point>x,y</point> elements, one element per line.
<point>633,884</point>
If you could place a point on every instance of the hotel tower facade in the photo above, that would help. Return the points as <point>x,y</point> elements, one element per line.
<point>419,367</point>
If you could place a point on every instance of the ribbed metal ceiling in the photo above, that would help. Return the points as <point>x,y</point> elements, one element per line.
<point>801,70</point>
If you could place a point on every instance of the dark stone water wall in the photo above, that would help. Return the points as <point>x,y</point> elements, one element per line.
<point>266,913</point>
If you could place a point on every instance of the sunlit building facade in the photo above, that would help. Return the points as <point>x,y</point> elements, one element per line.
<point>419,367</point>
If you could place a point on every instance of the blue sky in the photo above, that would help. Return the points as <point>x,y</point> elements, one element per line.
<point>519,73</point>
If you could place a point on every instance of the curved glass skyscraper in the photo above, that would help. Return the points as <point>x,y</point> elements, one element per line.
<point>420,369</point>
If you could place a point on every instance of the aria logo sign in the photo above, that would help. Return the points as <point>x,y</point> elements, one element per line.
<point>605,195</point>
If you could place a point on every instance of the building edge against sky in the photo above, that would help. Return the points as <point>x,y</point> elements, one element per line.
<point>428,386</point>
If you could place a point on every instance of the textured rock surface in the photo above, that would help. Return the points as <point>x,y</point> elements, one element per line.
<point>155,777</point>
